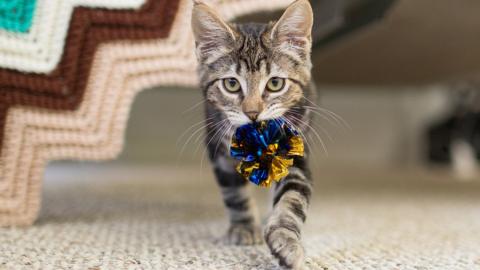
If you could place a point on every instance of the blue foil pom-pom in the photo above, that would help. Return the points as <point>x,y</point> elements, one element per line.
<point>266,150</point>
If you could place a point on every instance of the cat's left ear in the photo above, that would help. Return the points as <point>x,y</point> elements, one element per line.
<point>213,36</point>
<point>292,33</point>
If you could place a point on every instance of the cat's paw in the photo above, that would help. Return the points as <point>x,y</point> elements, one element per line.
<point>243,234</point>
<point>286,247</point>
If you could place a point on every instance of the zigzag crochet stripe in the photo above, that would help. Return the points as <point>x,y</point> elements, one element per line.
<point>63,89</point>
<point>40,49</point>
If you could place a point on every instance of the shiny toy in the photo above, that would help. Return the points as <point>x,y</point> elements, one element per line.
<point>266,150</point>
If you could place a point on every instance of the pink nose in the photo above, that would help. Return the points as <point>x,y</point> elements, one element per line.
<point>253,115</point>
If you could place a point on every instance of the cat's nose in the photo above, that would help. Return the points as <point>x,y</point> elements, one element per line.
<point>253,115</point>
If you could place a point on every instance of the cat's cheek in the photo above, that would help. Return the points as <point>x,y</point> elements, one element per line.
<point>238,119</point>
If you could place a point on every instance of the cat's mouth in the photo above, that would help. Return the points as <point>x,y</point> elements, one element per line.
<point>239,118</point>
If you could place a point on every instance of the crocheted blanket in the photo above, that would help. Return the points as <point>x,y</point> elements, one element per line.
<point>16,15</point>
<point>69,71</point>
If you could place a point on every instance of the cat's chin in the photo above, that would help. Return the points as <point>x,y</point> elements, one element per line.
<point>236,123</point>
<point>273,116</point>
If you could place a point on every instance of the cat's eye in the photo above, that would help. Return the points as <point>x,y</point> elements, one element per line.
<point>231,85</point>
<point>275,84</point>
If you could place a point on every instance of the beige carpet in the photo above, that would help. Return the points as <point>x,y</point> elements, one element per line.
<point>111,217</point>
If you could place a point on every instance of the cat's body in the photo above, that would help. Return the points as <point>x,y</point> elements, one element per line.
<point>455,138</point>
<point>254,72</point>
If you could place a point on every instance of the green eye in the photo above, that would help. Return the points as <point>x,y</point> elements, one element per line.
<point>275,84</point>
<point>231,85</point>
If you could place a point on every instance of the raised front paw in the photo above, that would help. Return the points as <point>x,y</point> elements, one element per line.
<point>243,234</point>
<point>285,246</point>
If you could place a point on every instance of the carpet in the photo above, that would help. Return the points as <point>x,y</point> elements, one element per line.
<point>171,217</point>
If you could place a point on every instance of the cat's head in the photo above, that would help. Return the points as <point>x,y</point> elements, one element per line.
<point>254,72</point>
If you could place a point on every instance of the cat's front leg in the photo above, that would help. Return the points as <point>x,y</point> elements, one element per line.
<point>244,221</point>
<point>283,229</point>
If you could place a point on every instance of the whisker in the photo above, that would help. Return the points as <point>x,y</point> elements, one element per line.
<point>212,127</point>
<point>193,107</point>
<point>330,119</point>
<point>215,130</point>
<point>299,131</point>
<point>338,118</point>
<point>201,137</point>
<point>279,123</point>
<point>315,106</point>
<point>191,137</point>
<point>322,129</point>
<point>193,134</point>
<point>219,131</point>
<point>314,131</point>
<point>196,133</point>
<point>303,135</point>
<point>311,102</point>
<point>203,121</point>
<point>220,139</point>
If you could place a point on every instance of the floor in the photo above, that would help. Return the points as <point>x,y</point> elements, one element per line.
<point>171,217</point>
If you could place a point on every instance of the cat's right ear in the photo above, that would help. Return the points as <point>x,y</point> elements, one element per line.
<point>292,34</point>
<point>213,36</point>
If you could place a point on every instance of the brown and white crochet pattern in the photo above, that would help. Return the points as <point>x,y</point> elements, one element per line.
<point>80,109</point>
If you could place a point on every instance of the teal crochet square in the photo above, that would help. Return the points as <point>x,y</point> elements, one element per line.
<point>16,15</point>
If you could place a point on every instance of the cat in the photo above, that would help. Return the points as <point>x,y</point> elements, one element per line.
<point>455,138</point>
<point>254,72</point>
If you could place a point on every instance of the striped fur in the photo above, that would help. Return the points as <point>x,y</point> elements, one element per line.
<point>253,54</point>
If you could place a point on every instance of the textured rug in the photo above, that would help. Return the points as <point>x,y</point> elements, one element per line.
<point>66,84</point>
<point>164,218</point>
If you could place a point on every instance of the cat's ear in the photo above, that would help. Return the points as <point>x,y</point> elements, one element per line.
<point>213,36</point>
<point>293,31</point>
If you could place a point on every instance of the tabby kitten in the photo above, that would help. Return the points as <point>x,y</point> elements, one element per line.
<point>254,72</point>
